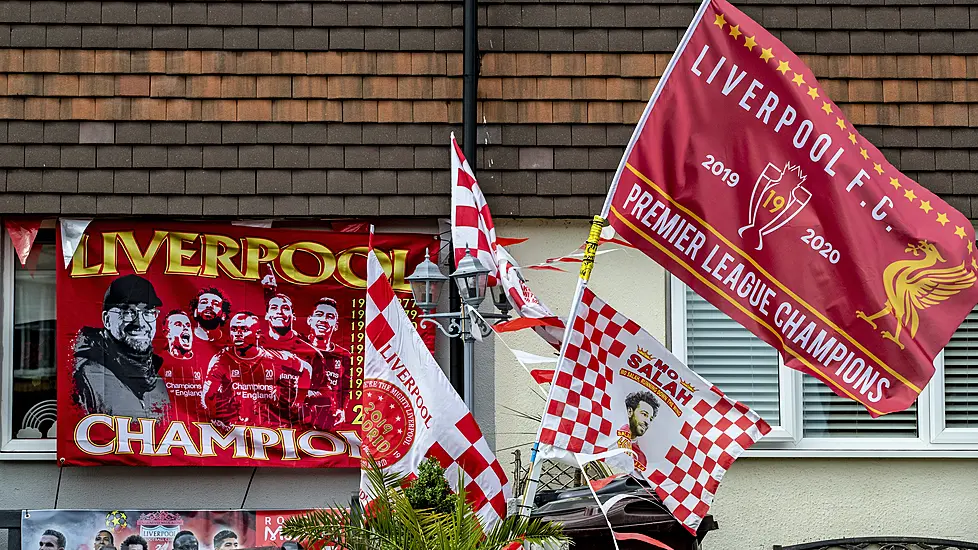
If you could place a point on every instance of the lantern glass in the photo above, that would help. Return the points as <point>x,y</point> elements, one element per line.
<point>471,277</point>
<point>426,284</point>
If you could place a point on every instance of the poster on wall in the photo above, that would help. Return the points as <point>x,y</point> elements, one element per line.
<point>152,530</point>
<point>217,345</point>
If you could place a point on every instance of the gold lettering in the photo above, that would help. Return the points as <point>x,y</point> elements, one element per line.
<point>258,251</point>
<point>79,262</point>
<point>177,253</point>
<point>344,266</point>
<point>140,260</point>
<point>220,251</point>
<point>108,254</point>
<point>397,271</point>
<point>323,256</point>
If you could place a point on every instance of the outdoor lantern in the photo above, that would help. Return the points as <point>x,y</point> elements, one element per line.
<point>426,283</point>
<point>471,278</point>
<point>499,298</point>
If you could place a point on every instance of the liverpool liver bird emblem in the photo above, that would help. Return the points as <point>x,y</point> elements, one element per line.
<point>915,284</point>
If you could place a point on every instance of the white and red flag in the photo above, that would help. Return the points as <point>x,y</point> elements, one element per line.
<point>617,387</point>
<point>472,227</point>
<point>411,412</point>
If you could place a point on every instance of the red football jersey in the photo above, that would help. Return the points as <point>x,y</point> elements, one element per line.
<point>266,390</point>
<point>330,388</point>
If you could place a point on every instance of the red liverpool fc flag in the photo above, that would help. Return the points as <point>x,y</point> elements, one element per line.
<point>748,183</point>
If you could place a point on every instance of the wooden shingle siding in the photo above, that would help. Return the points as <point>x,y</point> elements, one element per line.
<point>277,108</point>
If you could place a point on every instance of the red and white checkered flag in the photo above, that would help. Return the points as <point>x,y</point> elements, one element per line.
<point>472,227</point>
<point>411,412</point>
<point>617,387</point>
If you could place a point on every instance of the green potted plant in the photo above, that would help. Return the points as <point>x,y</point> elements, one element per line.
<point>423,514</point>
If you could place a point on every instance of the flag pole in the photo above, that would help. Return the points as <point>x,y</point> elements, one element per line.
<point>587,264</point>
<point>591,248</point>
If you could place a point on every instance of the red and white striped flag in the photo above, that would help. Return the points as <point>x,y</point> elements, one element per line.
<point>411,412</point>
<point>617,387</point>
<point>472,227</point>
<point>525,303</point>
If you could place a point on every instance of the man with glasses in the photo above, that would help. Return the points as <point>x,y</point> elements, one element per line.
<point>116,371</point>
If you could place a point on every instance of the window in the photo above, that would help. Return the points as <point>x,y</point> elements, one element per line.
<point>807,417</point>
<point>28,382</point>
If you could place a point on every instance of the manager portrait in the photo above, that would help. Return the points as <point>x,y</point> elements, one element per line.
<point>116,371</point>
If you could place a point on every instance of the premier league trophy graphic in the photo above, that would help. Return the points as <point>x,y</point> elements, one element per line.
<point>769,210</point>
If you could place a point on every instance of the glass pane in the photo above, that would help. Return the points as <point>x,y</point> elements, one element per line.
<point>961,375</point>
<point>825,414</point>
<point>732,358</point>
<point>34,411</point>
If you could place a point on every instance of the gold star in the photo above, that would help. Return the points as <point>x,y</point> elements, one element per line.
<point>971,246</point>
<point>812,93</point>
<point>942,219</point>
<point>864,153</point>
<point>720,21</point>
<point>974,264</point>
<point>852,138</point>
<point>783,67</point>
<point>878,168</point>
<point>749,43</point>
<point>925,206</point>
<point>840,123</point>
<point>895,183</point>
<point>735,31</point>
<point>827,108</point>
<point>959,231</point>
<point>766,54</point>
<point>910,195</point>
<point>798,79</point>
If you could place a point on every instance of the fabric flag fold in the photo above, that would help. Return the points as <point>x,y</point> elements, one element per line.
<point>472,227</point>
<point>618,388</point>
<point>72,231</point>
<point>784,217</point>
<point>22,234</point>
<point>411,412</point>
<point>525,303</point>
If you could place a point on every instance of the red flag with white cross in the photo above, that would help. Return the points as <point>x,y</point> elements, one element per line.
<point>746,181</point>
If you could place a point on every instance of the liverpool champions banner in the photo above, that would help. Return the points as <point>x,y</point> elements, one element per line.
<point>151,529</point>
<point>748,183</point>
<point>217,345</point>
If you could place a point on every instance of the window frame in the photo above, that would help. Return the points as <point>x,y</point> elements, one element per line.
<point>10,447</point>
<point>934,439</point>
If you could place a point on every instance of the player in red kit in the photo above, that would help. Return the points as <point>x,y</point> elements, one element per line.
<point>182,372</point>
<point>641,408</point>
<point>333,382</point>
<point>248,384</point>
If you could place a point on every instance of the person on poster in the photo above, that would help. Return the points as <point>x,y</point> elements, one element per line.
<point>280,317</point>
<point>134,542</point>
<point>641,408</point>
<point>185,540</point>
<point>330,385</point>
<point>52,540</point>
<point>179,334</point>
<point>225,539</point>
<point>248,384</point>
<point>116,370</point>
<point>211,310</point>
<point>103,538</point>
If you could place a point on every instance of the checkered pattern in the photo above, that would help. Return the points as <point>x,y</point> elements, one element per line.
<point>525,303</point>
<point>690,442</point>
<point>451,434</point>
<point>724,430</point>
<point>472,227</point>
<point>578,415</point>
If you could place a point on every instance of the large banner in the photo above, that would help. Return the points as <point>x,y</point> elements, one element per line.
<point>217,345</point>
<point>151,529</point>
<point>748,183</point>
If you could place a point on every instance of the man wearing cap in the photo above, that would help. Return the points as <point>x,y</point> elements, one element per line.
<point>116,371</point>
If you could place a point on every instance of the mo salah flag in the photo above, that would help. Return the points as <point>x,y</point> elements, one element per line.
<point>748,183</point>
<point>617,387</point>
<point>472,228</point>
<point>411,412</point>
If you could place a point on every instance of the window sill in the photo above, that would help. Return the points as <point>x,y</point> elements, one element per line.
<point>942,453</point>
<point>28,456</point>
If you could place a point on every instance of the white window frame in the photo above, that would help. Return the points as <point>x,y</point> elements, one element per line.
<point>10,448</point>
<point>934,439</point>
